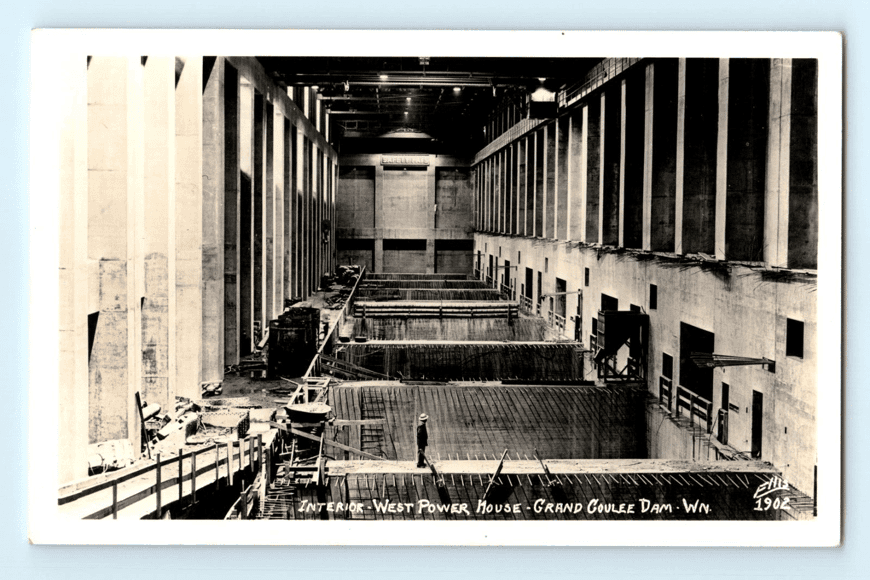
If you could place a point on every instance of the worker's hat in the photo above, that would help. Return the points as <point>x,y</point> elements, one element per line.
<point>424,416</point>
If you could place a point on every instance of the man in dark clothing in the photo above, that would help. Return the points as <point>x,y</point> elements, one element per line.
<point>422,440</point>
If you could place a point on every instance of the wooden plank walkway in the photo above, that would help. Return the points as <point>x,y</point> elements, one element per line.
<point>133,493</point>
<point>480,422</point>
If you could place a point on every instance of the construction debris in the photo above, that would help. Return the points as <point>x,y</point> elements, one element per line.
<point>110,455</point>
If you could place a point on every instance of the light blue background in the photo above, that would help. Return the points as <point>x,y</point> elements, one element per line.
<point>21,560</point>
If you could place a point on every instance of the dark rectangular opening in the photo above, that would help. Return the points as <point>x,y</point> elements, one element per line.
<point>667,366</point>
<point>794,338</point>
<point>723,414</point>
<point>529,282</point>
<point>757,423</point>
<point>609,302</point>
<point>653,297</point>
<point>561,298</point>
<point>93,319</point>
<point>540,285</point>
<point>453,245</point>
<point>586,276</point>
<point>404,245</point>
<point>698,380</point>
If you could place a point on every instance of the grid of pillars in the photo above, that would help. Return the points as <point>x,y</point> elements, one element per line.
<point>678,155</point>
<point>181,231</point>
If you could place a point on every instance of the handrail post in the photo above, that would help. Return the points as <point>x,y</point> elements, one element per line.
<point>159,503</point>
<point>114,500</point>
<point>180,475</point>
<point>193,477</point>
<point>230,447</point>
<point>217,465</point>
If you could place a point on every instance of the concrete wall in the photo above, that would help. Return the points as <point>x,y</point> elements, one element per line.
<point>748,318</point>
<point>428,198</point>
<point>178,232</point>
<point>679,156</point>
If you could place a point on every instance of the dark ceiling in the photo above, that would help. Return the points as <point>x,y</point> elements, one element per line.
<point>446,100</point>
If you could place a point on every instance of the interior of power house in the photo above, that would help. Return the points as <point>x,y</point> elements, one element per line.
<point>425,288</point>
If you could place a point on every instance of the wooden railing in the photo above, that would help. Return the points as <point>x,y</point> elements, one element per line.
<point>698,408</point>
<point>330,338</point>
<point>526,304</point>
<point>178,475</point>
<point>506,291</point>
<point>559,321</point>
<point>665,392</point>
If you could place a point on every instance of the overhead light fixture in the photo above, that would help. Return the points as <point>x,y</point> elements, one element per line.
<point>542,79</point>
<point>408,99</point>
<point>406,112</point>
<point>457,89</point>
<point>314,87</point>
<point>346,86</point>
<point>384,77</point>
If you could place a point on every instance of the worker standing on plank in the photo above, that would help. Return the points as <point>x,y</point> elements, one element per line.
<point>422,440</point>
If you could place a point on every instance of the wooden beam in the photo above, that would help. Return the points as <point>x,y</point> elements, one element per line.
<point>495,475</point>
<point>325,441</point>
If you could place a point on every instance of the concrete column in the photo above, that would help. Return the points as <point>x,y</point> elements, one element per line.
<point>649,111</point>
<point>493,193</point>
<point>299,209</point>
<point>430,204</point>
<point>538,189</point>
<point>280,211</point>
<point>506,189</point>
<point>577,173</point>
<point>232,216</point>
<point>114,119</point>
<point>562,219</point>
<point>528,189</point>
<point>73,387</point>
<point>721,162</point>
<point>499,189</point>
<point>679,184</point>
<point>213,192</point>
<point>661,145</point>
<point>258,233</point>
<point>269,214</point>
<point>188,230</point>
<point>494,187</point>
<point>510,188</point>
<point>246,216</point>
<point>622,122</point>
<point>519,201</point>
<point>571,161</point>
<point>158,385</point>
<point>611,154</point>
<point>379,219</point>
<point>592,121</point>
<point>776,187</point>
<point>803,212</point>
<point>289,218</point>
<point>550,180</point>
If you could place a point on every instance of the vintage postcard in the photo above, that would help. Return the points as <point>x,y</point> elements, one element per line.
<point>409,287</point>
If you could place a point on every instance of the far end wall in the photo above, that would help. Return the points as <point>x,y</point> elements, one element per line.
<point>405,213</point>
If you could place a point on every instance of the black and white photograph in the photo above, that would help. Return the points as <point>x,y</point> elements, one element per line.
<point>357,294</point>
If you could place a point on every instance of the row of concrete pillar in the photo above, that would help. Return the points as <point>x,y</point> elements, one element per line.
<point>676,155</point>
<point>196,198</point>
